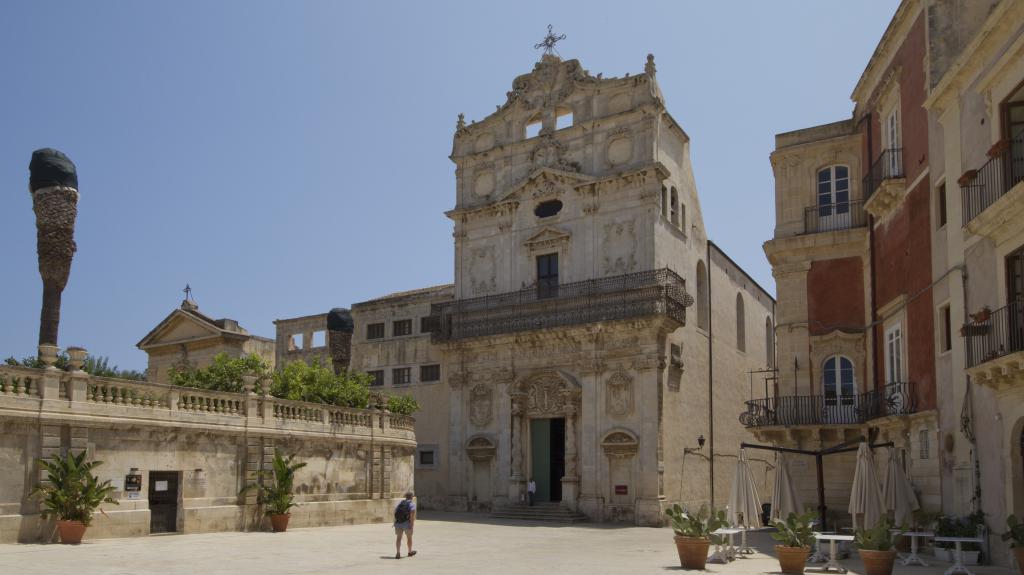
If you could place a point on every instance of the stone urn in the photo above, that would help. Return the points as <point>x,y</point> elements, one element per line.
<point>76,357</point>
<point>48,354</point>
<point>279,523</point>
<point>693,551</point>
<point>877,562</point>
<point>792,559</point>
<point>1018,553</point>
<point>71,532</point>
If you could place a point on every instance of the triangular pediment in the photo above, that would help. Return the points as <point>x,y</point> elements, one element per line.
<point>544,182</point>
<point>547,238</point>
<point>179,326</point>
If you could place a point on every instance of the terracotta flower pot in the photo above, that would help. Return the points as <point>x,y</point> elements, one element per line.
<point>71,532</point>
<point>877,562</point>
<point>693,551</point>
<point>1018,552</point>
<point>279,522</point>
<point>792,559</point>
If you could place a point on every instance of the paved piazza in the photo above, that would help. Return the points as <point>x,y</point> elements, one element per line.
<point>447,543</point>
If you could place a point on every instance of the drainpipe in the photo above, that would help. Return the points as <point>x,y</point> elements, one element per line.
<point>871,263</point>
<point>711,390</point>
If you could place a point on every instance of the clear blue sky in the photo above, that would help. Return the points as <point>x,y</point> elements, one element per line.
<point>289,157</point>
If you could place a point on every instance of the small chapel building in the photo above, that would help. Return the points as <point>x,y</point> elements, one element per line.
<point>594,339</point>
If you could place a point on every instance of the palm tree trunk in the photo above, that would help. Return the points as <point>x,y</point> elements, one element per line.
<point>49,318</point>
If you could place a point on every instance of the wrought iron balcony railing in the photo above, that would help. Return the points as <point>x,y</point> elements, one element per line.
<point>888,166</point>
<point>834,217</point>
<point>894,399</point>
<point>981,188</point>
<point>641,294</point>
<point>995,334</point>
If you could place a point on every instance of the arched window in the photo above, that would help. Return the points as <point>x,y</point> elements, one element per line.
<point>674,207</point>
<point>833,198</point>
<point>702,295</point>
<point>837,385</point>
<point>741,324</point>
<point>769,342</point>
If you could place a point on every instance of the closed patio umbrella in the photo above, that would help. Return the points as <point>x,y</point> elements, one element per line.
<point>784,497</point>
<point>866,497</point>
<point>899,493</point>
<point>744,503</point>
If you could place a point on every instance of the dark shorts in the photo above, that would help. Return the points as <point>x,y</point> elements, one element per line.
<point>405,527</point>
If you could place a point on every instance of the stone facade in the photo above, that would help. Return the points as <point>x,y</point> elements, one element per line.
<point>975,108</point>
<point>203,446</point>
<point>325,338</point>
<point>579,244</point>
<point>851,257</point>
<point>187,338</point>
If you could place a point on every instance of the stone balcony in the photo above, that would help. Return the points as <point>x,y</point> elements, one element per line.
<point>628,296</point>
<point>995,347</point>
<point>895,399</point>
<point>993,195</point>
<point>51,395</point>
<point>885,185</point>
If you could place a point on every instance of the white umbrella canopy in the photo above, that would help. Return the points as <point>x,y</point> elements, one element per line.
<point>866,497</point>
<point>899,493</point>
<point>744,504</point>
<point>784,497</point>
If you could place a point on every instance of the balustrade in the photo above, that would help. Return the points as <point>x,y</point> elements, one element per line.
<point>17,381</point>
<point>894,399</point>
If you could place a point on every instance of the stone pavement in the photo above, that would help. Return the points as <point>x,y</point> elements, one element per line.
<point>448,543</point>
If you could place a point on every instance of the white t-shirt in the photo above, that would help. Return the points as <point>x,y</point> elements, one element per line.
<point>531,487</point>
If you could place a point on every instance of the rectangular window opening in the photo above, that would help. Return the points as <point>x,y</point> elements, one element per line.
<point>319,339</point>
<point>401,327</point>
<point>375,331</point>
<point>547,276</point>
<point>378,377</point>
<point>401,376</point>
<point>941,204</point>
<point>947,328</point>
<point>429,373</point>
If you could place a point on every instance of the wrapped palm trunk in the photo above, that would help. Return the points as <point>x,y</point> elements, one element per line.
<point>53,182</point>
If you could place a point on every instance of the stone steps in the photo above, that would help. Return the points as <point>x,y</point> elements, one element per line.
<point>550,512</point>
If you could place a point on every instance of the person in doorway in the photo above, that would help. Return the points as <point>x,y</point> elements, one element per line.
<point>405,517</point>
<point>531,491</point>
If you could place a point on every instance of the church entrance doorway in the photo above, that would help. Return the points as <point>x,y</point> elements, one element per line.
<point>547,457</point>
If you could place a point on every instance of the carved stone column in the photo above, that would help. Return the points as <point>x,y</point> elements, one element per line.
<point>571,480</point>
<point>517,481</point>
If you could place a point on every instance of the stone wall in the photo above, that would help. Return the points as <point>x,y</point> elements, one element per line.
<point>358,461</point>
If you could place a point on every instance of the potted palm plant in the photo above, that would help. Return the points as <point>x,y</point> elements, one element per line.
<point>877,547</point>
<point>795,537</point>
<point>275,490</point>
<point>1015,535</point>
<point>72,494</point>
<point>693,533</point>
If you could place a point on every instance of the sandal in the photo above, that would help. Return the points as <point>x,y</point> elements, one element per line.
<point>411,553</point>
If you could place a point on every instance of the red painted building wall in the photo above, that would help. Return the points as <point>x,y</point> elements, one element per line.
<point>835,295</point>
<point>901,258</point>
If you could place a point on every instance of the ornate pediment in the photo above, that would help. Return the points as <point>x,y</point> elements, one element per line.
<point>546,239</point>
<point>620,443</point>
<point>546,182</point>
<point>179,327</point>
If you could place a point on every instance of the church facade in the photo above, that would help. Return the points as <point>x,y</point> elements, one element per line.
<point>594,339</point>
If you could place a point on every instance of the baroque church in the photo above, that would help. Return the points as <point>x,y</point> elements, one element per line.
<point>594,339</point>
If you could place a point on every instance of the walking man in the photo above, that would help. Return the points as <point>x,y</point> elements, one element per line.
<point>531,491</point>
<point>405,517</point>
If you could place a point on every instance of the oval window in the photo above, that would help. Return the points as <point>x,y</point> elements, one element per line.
<point>548,208</point>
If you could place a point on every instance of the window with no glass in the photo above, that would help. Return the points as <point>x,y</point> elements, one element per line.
<point>430,373</point>
<point>427,457</point>
<point>946,332</point>
<point>430,323</point>
<point>401,327</point>
<point>374,331</point>
<point>547,275</point>
<point>401,375</point>
<point>547,209</point>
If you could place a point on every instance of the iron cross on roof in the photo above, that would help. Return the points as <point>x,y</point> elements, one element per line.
<point>188,292</point>
<point>548,44</point>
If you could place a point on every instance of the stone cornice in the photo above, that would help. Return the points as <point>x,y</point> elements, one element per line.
<point>895,34</point>
<point>820,246</point>
<point>1003,20</point>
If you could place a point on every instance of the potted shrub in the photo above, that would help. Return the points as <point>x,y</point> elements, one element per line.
<point>795,536</point>
<point>693,533</point>
<point>876,546</point>
<point>72,494</point>
<point>275,490</point>
<point>1015,535</point>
